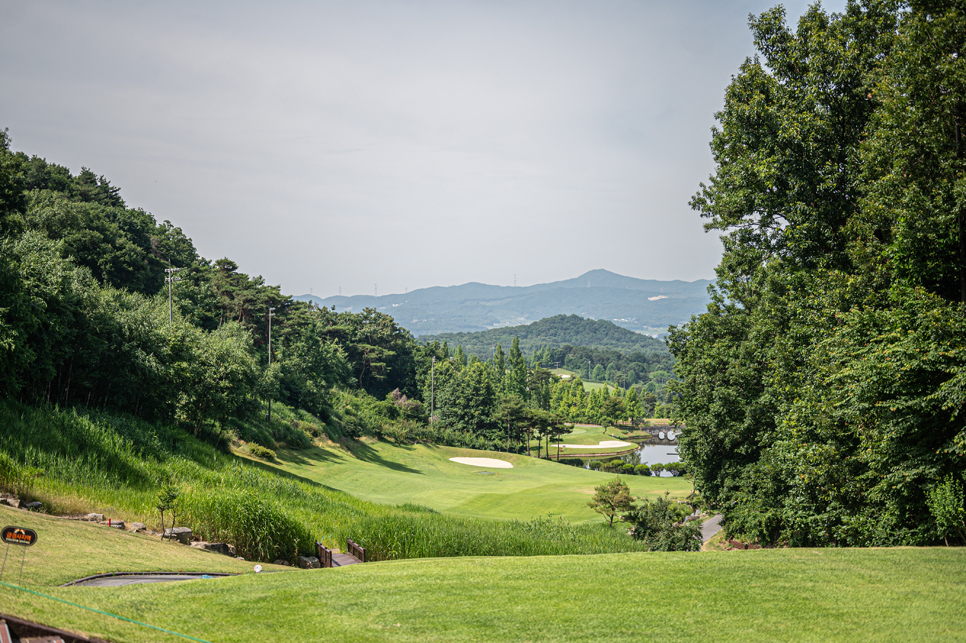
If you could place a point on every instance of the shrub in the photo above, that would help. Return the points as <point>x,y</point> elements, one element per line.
<point>642,470</point>
<point>574,462</point>
<point>659,524</point>
<point>613,466</point>
<point>261,452</point>
<point>945,502</point>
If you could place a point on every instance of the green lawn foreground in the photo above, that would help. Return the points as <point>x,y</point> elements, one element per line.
<point>68,549</point>
<point>423,475</point>
<point>901,594</point>
<point>763,595</point>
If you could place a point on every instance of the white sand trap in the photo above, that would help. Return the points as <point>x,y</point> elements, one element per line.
<point>606,444</point>
<point>493,463</point>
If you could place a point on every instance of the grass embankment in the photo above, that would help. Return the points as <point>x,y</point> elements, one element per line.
<point>762,595</point>
<point>76,463</point>
<point>423,475</point>
<point>68,549</point>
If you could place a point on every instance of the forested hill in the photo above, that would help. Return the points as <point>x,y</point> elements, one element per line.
<point>557,331</point>
<point>643,305</point>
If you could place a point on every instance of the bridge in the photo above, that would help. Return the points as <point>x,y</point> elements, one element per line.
<point>332,558</point>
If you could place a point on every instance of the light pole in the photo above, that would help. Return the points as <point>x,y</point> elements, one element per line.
<point>170,279</point>
<point>271,313</point>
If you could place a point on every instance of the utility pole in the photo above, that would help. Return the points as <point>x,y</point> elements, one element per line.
<point>271,313</point>
<point>170,279</point>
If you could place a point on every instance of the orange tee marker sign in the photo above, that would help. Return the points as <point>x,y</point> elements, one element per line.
<point>18,536</point>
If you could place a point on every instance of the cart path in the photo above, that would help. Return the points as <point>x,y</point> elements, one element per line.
<point>710,528</point>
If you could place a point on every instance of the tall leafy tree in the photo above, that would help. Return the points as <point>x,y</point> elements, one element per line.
<point>786,186</point>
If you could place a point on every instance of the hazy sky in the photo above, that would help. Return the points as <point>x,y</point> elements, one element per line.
<point>404,144</point>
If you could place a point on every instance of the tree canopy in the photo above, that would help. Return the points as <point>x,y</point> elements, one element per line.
<point>823,388</point>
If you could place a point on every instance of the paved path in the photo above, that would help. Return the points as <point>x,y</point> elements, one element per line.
<point>711,527</point>
<point>117,580</point>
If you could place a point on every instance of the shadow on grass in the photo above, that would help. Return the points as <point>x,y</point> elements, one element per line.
<point>366,453</point>
<point>307,457</point>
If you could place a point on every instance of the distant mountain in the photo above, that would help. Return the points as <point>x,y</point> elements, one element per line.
<point>642,305</point>
<point>557,331</point>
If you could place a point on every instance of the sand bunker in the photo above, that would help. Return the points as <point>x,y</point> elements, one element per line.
<point>484,462</point>
<point>606,444</point>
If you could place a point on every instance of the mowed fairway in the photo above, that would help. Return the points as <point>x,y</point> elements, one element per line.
<point>423,475</point>
<point>764,595</point>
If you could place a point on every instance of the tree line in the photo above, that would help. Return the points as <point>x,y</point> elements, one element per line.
<point>86,319</point>
<point>84,315</point>
<point>823,390</point>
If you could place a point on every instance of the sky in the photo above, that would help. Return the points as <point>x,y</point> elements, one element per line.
<point>382,146</point>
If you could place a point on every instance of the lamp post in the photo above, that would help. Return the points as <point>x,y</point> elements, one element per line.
<point>170,279</point>
<point>271,313</point>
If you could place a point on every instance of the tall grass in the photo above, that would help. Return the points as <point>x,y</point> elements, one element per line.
<point>75,460</point>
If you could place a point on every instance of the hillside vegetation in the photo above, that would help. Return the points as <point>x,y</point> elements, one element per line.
<point>556,332</point>
<point>76,461</point>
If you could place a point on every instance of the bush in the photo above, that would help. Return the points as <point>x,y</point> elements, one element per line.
<point>642,470</point>
<point>613,466</point>
<point>574,462</point>
<point>261,452</point>
<point>660,525</point>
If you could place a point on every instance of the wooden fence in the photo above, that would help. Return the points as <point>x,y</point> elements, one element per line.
<point>324,554</point>
<point>355,550</point>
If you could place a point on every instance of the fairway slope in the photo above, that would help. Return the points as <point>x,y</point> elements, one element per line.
<point>425,475</point>
<point>764,595</point>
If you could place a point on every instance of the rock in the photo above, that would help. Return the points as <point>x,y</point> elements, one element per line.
<point>282,562</point>
<point>34,506</point>
<point>309,562</point>
<point>219,548</point>
<point>137,526</point>
<point>116,524</point>
<point>93,517</point>
<point>181,534</point>
<point>10,502</point>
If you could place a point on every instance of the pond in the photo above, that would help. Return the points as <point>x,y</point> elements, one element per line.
<point>663,453</point>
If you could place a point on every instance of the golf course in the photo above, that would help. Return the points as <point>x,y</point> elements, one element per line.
<point>424,475</point>
<point>900,594</point>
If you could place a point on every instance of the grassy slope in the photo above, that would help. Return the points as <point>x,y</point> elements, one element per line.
<point>76,463</point>
<point>764,595</point>
<point>67,550</point>
<point>423,475</point>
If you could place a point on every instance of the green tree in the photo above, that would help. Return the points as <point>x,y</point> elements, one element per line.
<point>612,498</point>
<point>467,402</point>
<point>13,203</point>
<point>515,380</point>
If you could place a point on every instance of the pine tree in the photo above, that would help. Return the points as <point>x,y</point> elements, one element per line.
<point>516,377</point>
